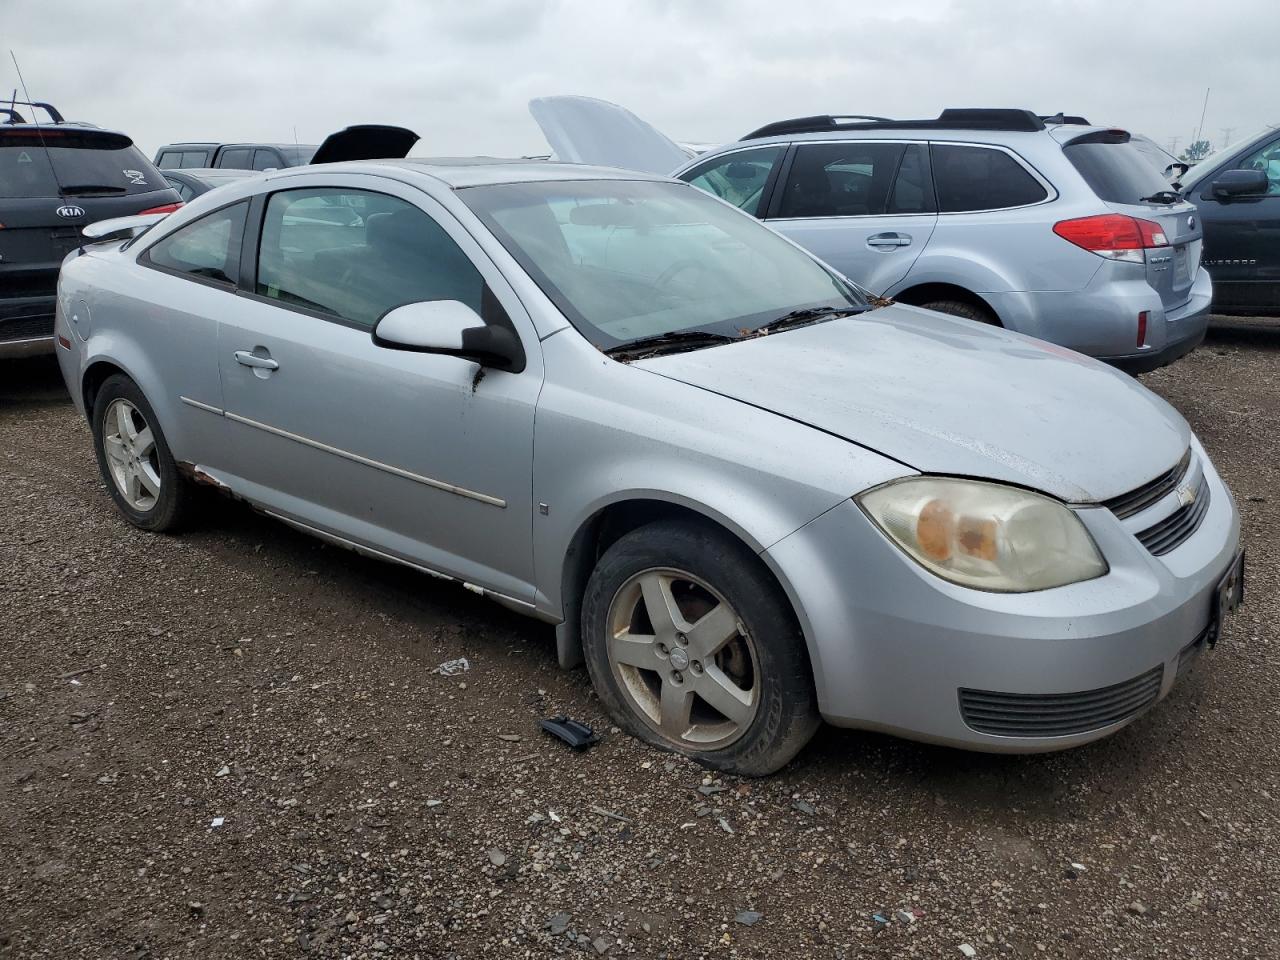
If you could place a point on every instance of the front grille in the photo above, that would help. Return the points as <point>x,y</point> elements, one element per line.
<point>26,328</point>
<point>1058,714</point>
<point>1135,501</point>
<point>1173,530</point>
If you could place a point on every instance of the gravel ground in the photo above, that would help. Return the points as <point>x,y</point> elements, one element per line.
<point>231,744</point>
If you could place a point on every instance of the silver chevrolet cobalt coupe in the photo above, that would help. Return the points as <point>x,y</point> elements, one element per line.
<point>747,497</point>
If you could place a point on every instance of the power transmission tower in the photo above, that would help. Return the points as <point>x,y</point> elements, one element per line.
<point>1173,145</point>
<point>1226,135</point>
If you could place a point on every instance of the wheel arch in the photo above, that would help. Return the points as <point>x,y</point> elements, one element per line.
<point>609,523</point>
<point>95,375</point>
<point>922,293</point>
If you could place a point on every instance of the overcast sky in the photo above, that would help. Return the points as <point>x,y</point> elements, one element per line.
<point>461,73</point>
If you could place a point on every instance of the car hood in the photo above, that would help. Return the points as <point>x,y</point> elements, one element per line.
<point>948,396</point>
<point>583,130</point>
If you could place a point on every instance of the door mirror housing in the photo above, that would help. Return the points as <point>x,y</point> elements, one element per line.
<point>1240,183</point>
<point>451,328</point>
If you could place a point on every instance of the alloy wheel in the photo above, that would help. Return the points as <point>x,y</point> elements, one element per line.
<point>683,659</point>
<point>132,455</point>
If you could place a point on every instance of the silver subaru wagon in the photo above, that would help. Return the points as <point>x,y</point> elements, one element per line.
<point>748,499</point>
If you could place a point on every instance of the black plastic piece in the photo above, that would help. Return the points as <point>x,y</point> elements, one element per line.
<point>575,734</point>
<point>367,141</point>
<point>1067,118</point>
<point>952,119</point>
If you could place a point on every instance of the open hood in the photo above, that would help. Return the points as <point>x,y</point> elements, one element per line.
<point>366,141</point>
<point>952,397</point>
<point>584,130</point>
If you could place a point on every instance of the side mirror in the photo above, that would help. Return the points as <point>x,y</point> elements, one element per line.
<point>1240,183</point>
<point>451,328</point>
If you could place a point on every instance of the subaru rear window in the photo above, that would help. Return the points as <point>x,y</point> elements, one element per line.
<point>89,163</point>
<point>1114,169</point>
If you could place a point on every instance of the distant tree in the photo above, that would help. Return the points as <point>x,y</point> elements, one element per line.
<point>1197,151</point>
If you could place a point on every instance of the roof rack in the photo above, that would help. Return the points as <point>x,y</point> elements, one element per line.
<point>1066,118</point>
<point>15,117</point>
<point>954,119</point>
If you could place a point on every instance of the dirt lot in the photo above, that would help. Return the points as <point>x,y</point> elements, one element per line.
<point>242,674</point>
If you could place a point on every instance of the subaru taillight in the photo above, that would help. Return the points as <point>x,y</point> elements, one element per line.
<point>1113,235</point>
<point>163,208</point>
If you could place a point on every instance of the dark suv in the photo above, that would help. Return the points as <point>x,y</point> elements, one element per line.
<point>55,178</point>
<point>234,156</point>
<point>1237,194</point>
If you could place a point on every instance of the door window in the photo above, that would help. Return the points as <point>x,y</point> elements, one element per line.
<point>184,191</point>
<point>981,178</point>
<point>266,160</point>
<point>853,178</point>
<point>353,255</point>
<point>237,159</point>
<point>1268,161</point>
<point>209,248</point>
<point>739,178</point>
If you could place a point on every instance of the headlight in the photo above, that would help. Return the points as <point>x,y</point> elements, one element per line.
<point>985,535</point>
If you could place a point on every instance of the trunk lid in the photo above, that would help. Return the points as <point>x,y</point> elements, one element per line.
<point>951,397</point>
<point>585,130</point>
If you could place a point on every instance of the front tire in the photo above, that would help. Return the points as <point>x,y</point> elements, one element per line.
<point>692,647</point>
<point>134,458</point>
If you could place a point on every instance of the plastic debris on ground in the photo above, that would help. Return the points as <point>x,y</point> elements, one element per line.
<point>452,668</point>
<point>573,732</point>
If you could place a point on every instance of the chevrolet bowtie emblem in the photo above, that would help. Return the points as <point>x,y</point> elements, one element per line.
<point>1186,496</point>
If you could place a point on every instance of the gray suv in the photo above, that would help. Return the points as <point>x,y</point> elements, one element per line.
<point>1057,230</point>
<point>1048,226</point>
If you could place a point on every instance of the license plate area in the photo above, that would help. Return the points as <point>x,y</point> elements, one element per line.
<point>1227,598</point>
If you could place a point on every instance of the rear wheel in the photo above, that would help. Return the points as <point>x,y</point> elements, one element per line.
<point>962,308</point>
<point>692,647</point>
<point>134,458</point>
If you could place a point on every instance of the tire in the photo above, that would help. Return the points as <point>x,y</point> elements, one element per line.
<point>962,308</point>
<point>162,494</point>
<point>761,674</point>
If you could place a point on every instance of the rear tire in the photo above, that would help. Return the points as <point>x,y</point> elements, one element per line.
<point>134,458</point>
<point>962,308</point>
<point>720,672</point>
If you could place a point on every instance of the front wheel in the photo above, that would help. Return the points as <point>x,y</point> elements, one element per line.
<point>962,308</point>
<point>134,457</point>
<point>692,647</point>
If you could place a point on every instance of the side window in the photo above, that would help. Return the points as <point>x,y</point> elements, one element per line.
<point>980,178</point>
<point>169,160</point>
<point>184,191</point>
<point>738,178</point>
<point>237,158</point>
<point>195,158</point>
<point>355,255</point>
<point>208,248</point>
<point>853,178</point>
<point>266,160</point>
<point>1268,161</point>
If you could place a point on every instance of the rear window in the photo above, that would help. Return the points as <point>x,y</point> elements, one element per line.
<point>981,178</point>
<point>88,163</point>
<point>1115,170</point>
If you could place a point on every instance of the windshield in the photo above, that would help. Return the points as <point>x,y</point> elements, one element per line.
<point>629,260</point>
<point>88,163</point>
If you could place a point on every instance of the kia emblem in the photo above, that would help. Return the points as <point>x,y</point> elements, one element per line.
<point>69,211</point>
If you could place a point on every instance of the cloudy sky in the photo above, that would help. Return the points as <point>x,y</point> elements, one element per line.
<point>461,74</point>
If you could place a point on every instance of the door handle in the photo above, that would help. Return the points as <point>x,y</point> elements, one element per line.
<point>247,359</point>
<point>888,240</point>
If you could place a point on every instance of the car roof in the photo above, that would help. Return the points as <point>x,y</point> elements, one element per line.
<point>1059,132</point>
<point>461,172</point>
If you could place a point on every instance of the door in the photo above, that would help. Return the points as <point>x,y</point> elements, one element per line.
<point>865,207</point>
<point>424,457</point>
<point>1242,237</point>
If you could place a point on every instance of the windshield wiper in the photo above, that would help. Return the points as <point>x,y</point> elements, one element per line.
<point>675,342</point>
<point>799,318</point>
<point>81,189</point>
<point>1163,196</point>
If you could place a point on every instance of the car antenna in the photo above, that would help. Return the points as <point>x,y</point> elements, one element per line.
<point>48,155</point>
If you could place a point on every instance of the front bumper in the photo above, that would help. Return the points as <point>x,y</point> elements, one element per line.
<point>893,646</point>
